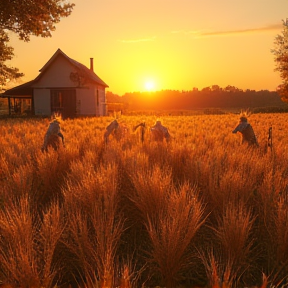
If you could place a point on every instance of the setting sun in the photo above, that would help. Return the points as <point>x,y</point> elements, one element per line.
<point>149,86</point>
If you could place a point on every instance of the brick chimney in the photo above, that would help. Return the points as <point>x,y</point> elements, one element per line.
<point>91,65</point>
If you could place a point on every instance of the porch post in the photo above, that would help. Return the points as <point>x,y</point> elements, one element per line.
<point>9,106</point>
<point>32,104</point>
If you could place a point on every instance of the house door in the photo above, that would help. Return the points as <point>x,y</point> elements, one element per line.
<point>64,103</point>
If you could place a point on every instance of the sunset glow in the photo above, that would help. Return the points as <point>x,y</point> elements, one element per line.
<point>149,86</point>
<point>207,43</point>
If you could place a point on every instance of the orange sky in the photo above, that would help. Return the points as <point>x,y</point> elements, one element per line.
<point>172,44</point>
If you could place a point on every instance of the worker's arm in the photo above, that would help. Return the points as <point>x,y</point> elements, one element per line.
<point>62,137</point>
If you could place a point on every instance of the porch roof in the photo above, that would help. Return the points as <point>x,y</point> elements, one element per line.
<point>22,91</point>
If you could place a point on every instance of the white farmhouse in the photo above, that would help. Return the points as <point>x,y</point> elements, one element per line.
<point>63,86</point>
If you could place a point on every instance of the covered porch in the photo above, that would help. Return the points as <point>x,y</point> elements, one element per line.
<point>19,105</point>
<point>20,99</point>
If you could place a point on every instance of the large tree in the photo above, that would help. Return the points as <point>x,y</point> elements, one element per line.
<point>280,52</point>
<point>26,18</point>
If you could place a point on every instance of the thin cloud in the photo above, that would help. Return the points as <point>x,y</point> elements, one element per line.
<point>268,28</point>
<point>198,33</point>
<point>139,40</point>
<point>201,33</point>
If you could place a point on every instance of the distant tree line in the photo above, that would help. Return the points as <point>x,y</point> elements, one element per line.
<point>213,96</point>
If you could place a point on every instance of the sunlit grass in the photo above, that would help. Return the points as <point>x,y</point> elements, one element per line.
<point>142,214</point>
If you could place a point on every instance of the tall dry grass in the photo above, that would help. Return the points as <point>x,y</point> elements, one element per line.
<point>235,243</point>
<point>94,221</point>
<point>103,208</point>
<point>27,246</point>
<point>173,231</point>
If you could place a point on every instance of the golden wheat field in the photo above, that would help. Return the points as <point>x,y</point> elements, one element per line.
<point>200,211</point>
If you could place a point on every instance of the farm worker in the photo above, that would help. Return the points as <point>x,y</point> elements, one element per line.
<point>248,135</point>
<point>118,130</point>
<point>114,125</point>
<point>159,132</point>
<point>53,135</point>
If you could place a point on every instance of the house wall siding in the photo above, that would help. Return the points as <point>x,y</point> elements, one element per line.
<point>42,102</point>
<point>58,75</point>
<point>102,101</point>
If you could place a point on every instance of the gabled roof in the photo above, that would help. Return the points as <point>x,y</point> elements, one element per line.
<point>27,88</point>
<point>82,68</point>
